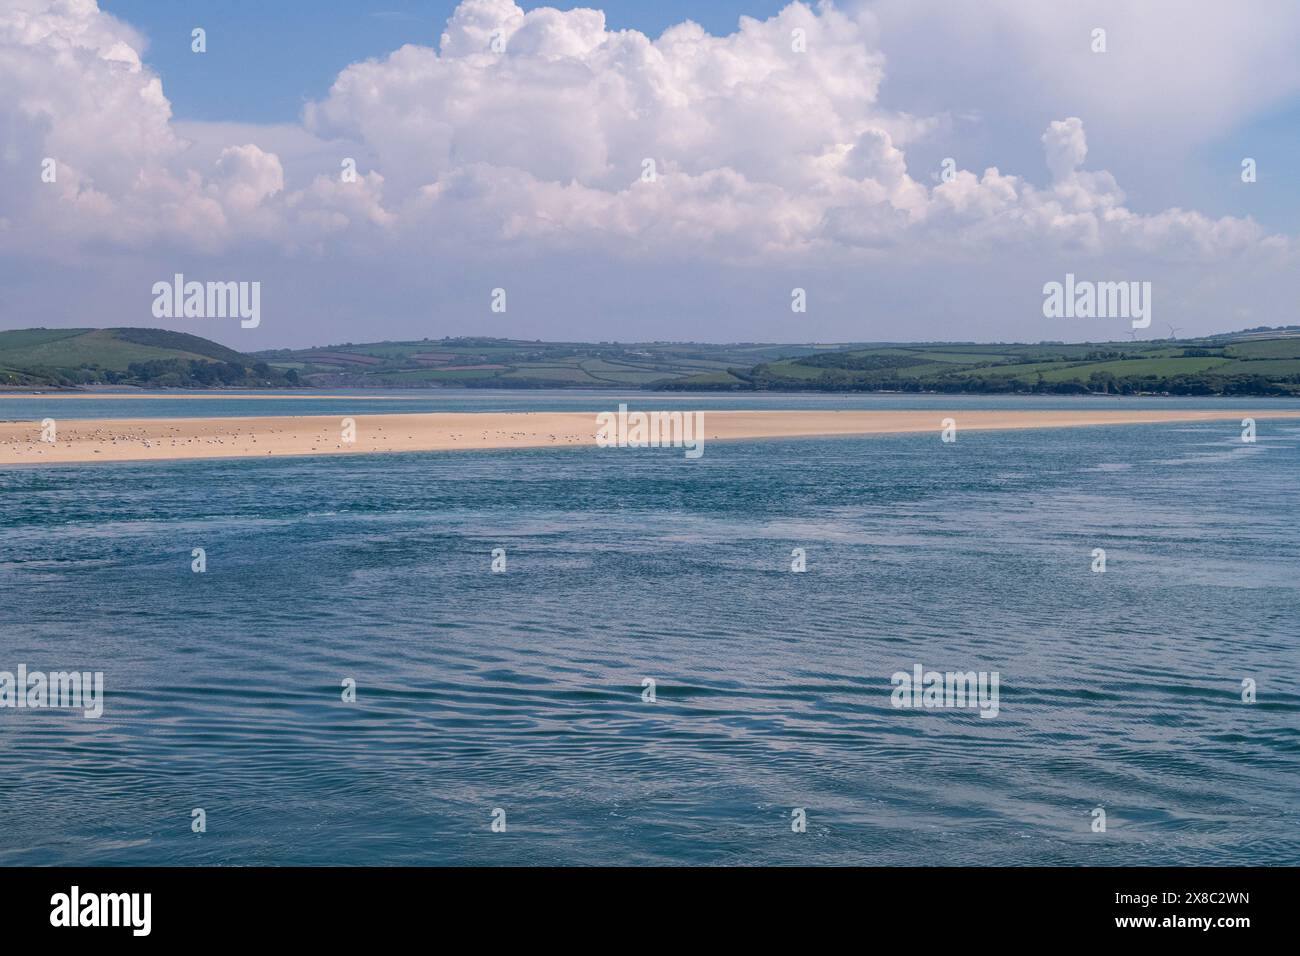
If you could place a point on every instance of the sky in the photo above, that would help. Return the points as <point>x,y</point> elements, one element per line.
<point>667,171</point>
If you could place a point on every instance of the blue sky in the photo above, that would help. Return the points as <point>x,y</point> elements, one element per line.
<point>776,166</point>
<point>289,51</point>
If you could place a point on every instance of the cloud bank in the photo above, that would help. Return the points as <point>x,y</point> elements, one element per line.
<point>532,149</point>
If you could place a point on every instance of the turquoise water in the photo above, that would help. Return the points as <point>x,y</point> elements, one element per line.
<point>522,690</point>
<point>183,404</point>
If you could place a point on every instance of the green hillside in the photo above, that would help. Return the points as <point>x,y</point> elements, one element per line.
<point>154,357</point>
<point>1260,362</point>
<point>511,363</point>
<point>1254,362</point>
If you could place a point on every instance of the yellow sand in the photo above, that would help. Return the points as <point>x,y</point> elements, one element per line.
<point>159,439</point>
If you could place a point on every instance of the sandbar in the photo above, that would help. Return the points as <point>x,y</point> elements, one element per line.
<point>163,439</point>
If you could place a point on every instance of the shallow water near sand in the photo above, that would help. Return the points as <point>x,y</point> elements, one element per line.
<point>523,690</point>
<point>235,403</point>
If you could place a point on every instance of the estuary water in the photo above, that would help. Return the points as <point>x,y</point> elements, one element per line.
<point>181,403</point>
<point>521,696</point>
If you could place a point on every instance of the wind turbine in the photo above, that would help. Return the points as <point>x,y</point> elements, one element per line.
<point>1173,332</point>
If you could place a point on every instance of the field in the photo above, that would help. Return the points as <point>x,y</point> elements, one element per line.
<point>70,357</point>
<point>1257,362</point>
<point>1240,364</point>
<point>508,363</point>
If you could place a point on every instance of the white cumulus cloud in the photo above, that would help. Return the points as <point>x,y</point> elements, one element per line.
<point>544,132</point>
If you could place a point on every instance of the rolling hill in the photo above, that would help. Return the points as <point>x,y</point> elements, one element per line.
<point>1254,362</point>
<point>512,363</point>
<point>1259,362</point>
<point>153,357</point>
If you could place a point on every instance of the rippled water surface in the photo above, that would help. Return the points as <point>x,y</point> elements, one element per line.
<point>522,690</point>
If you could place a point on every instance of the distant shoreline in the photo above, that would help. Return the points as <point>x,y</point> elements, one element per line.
<point>80,441</point>
<point>1253,362</point>
<point>395,394</point>
<point>201,393</point>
